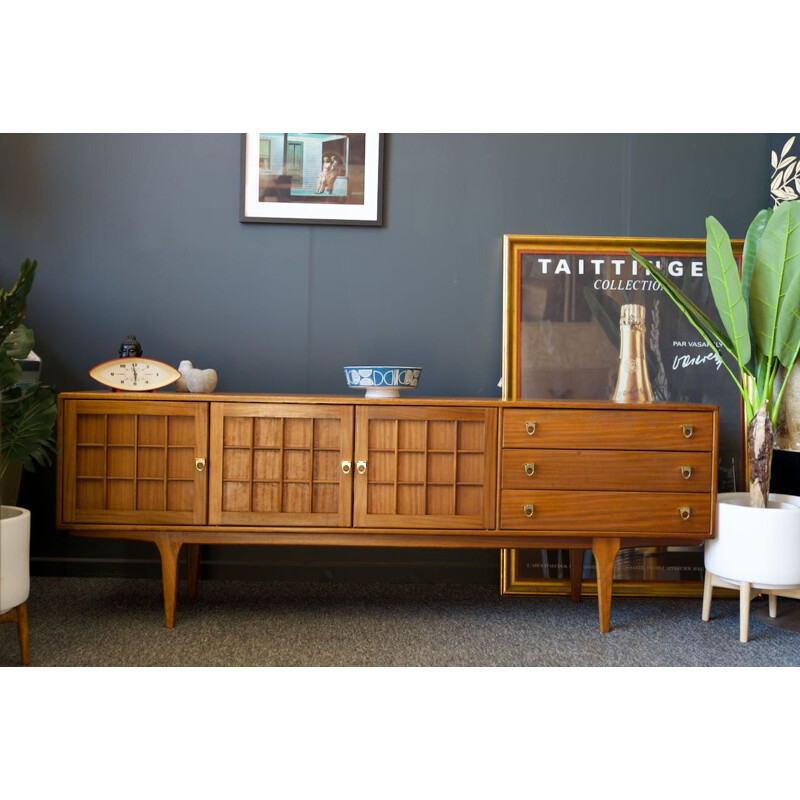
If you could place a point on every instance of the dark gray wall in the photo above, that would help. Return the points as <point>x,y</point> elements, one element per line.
<point>140,234</point>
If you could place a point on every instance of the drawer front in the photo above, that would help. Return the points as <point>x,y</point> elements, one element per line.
<point>615,513</point>
<point>608,429</point>
<point>621,470</point>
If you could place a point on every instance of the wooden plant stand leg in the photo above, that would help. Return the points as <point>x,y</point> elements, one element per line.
<point>575,574</point>
<point>708,591</point>
<point>605,551</point>
<point>744,610</point>
<point>192,568</point>
<point>22,632</point>
<point>169,547</point>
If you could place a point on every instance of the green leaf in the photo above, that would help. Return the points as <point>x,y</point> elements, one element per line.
<point>12,303</point>
<point>751,240</point>
<point>19,342</point>
<point>28,424</point>
<point>777,264</point>
<point>10,370</point>
<point>726,288</point>
<point>788,333</point>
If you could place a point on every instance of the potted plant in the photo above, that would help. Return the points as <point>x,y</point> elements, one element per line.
<point>27,412</point>
<point>757,541</point>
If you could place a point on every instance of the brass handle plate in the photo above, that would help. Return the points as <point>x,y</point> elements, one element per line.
<point>686,472</point>
<point>688,431</point>
<point>530,469</point>
<point>361,467</point>
<point>528,509</point>
<point>530,428</point>
<point>199,464</point>
<point>686,512</point>
<point>346,467</point>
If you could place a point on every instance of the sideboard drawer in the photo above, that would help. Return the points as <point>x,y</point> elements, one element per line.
<point>609,428</point>
<point>611,512</point>
<point>622,470</point>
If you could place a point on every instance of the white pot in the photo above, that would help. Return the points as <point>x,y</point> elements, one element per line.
<point>756,545</point>
<point>15,537</point>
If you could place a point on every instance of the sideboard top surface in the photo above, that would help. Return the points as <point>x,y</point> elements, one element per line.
<point>361,400</point>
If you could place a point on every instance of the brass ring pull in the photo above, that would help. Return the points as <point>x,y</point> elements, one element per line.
<point>361,467</point>
<point>528,510</point>
<point>346,467</point>
<point>686,472</point>
<point>686,512</point>
<point>530,469</point>
<point>688,430</point>
<point>199,464</point>
<point>530,428</point>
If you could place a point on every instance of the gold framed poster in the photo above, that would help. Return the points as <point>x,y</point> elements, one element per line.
<point>561,311</point>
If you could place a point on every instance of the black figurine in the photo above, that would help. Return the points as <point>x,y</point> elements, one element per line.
<point>130,347</point>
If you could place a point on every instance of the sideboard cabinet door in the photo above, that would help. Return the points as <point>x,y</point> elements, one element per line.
<point>425,467</point>
<point>134,462</point>
<point>281,464</point>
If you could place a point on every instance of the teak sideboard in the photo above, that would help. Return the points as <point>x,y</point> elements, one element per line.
<point>189,469</point>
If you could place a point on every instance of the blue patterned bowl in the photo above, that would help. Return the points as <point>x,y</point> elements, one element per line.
<point>382,381</point>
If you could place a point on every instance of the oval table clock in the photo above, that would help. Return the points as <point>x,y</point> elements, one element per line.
<point>134,374</point>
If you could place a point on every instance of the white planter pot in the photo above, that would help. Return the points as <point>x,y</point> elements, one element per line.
<point>756,545</point>
<point>15,537</point>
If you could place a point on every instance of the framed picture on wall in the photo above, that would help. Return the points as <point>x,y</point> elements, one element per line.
<point>561,312</point>
<point>312,178</point>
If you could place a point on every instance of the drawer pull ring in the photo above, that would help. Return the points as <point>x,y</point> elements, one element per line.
<point>686,512</point>
<point>530,428</point>
<point>686,472</point>
<point>528,509</point>
<point>361,467</point>
<point>346,467</point>
<point>688,430</point>
<point>530,469</point>
<point>199,464</point>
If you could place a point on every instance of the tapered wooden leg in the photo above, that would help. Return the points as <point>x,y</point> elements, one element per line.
<point>708,592</point>
<point>169,548</point>
<point>773,605</point>
<point>605,551</point>
<point>192,568</point>
<point>744,610</point>
<point>575,573</point>
<point>22,631</point>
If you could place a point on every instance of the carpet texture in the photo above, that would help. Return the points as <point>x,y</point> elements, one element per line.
<point>82,622</point>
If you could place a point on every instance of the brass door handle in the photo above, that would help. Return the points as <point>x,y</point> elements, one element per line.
<point>686,512</point>
<point>688,431</point>
<point>530,428</point>
<point>686,472</point>
<point>347,466</point>
<point>530,469</point>
<point>527,509</point>
<point>199,464</point>
<point>361,467</point>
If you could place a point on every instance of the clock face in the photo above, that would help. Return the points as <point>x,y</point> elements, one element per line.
<point>134,374</point>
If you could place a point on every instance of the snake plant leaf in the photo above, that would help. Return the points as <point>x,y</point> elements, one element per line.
<point>777,264</point>
<point>788,333</point>
<point>726,288</point>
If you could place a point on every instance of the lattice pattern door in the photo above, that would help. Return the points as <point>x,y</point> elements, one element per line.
<point>134,462</point>
<point>425,467</point>
<point>281,464</point>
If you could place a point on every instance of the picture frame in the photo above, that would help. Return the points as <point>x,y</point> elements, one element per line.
<point>312,178</point>
<point>561,300</point>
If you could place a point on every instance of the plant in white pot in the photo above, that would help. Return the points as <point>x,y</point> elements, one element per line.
<point>27,423</point>
<point>757,542</point>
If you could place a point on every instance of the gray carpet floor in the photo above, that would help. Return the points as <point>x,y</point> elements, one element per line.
<point>110,622</point>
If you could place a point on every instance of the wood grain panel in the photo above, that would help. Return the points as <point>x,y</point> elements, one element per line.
<point>609,428</point>
<point>656,513</point>
<point>621,470</point>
